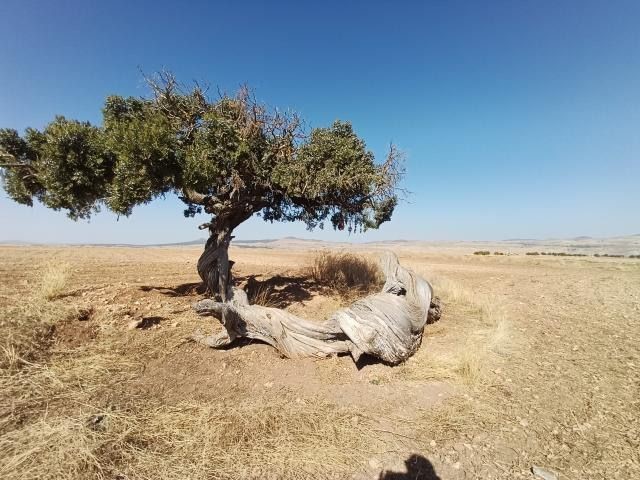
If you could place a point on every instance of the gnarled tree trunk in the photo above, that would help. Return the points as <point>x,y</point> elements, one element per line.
<point>387,325</point>
<point>214,266</point>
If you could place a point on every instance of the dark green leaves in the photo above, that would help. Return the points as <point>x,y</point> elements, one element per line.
<point>231,157</point>
<point>66,166</point>
<point>146,152</point>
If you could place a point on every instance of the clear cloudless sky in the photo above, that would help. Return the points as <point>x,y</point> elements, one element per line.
<point>519,119</point>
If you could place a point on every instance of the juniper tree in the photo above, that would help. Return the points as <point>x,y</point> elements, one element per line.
<point>230,157</point>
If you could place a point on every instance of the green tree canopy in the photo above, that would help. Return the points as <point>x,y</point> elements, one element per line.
<point>230,157</point>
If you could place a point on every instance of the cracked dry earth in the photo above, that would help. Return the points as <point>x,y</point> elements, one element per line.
<point>535,362</point>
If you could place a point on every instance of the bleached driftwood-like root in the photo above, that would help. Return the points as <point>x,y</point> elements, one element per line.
<point>387,325</point>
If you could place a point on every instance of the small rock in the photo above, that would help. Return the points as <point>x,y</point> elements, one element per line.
<point>456,466</point>
<point>432,443</point>
<point>95,422</point>
<point>524,423</point>
<point>268,385</point>
<point>374,463</point>
<point>543,473</point>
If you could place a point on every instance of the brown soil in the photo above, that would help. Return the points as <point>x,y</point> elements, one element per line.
<point>534,362</point>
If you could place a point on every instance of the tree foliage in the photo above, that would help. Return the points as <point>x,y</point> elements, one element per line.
<point>230,157</point>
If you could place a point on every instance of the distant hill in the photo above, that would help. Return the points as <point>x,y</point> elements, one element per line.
<point>624,245</point>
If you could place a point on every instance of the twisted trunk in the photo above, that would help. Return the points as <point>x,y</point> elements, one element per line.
<point>214,266</point>
<point>387,325</point>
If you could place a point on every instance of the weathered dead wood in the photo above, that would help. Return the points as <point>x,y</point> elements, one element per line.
<point>387,325</point>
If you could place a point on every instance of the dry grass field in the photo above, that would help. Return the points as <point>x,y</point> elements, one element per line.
<point>535,361</point>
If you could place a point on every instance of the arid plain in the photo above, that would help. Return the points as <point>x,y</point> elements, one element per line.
<point>535,362</point>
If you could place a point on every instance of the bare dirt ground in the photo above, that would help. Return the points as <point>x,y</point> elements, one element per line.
<point>535,361</point>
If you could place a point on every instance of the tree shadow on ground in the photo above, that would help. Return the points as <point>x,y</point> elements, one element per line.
<point>367,360</point>
<point>279,291</point>
<point>418,468</point>
<point>148,322</point>
<point>183,290</point>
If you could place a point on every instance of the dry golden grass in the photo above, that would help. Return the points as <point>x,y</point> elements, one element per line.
<point>281,439</point>
<point>27,323</point>
<point>58,419</point>
<point>261,295</point>
<point>485,335</point>
<point>538,359</point>
<point>54,279</point>
<point>344,270</point>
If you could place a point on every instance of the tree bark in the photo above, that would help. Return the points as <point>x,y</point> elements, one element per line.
<point>387,325</point>
<point>214,266</point>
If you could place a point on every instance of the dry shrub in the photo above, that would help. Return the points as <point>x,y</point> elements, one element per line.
<point>54,280</point>
<point>27,324</point>
<point>261,294</point>
<point>343,270</point>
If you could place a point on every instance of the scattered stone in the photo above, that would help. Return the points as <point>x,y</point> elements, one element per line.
<point>524,423</point>
<point>543,473</point>
<point>432,443</point>
<point>268,385</point>
<point>85,314</point>
<point>144,323</point>
<point>95,422</point>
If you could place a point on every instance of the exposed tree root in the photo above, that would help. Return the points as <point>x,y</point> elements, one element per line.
<point>387,325</point>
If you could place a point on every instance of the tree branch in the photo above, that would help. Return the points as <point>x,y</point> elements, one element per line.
<point>191,196</point>
<point>12,161</point>
<point>10,165</point>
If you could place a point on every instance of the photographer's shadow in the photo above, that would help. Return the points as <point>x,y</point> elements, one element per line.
<point>418,468</point>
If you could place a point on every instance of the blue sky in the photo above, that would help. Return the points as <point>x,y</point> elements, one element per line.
<point>518,118</point>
